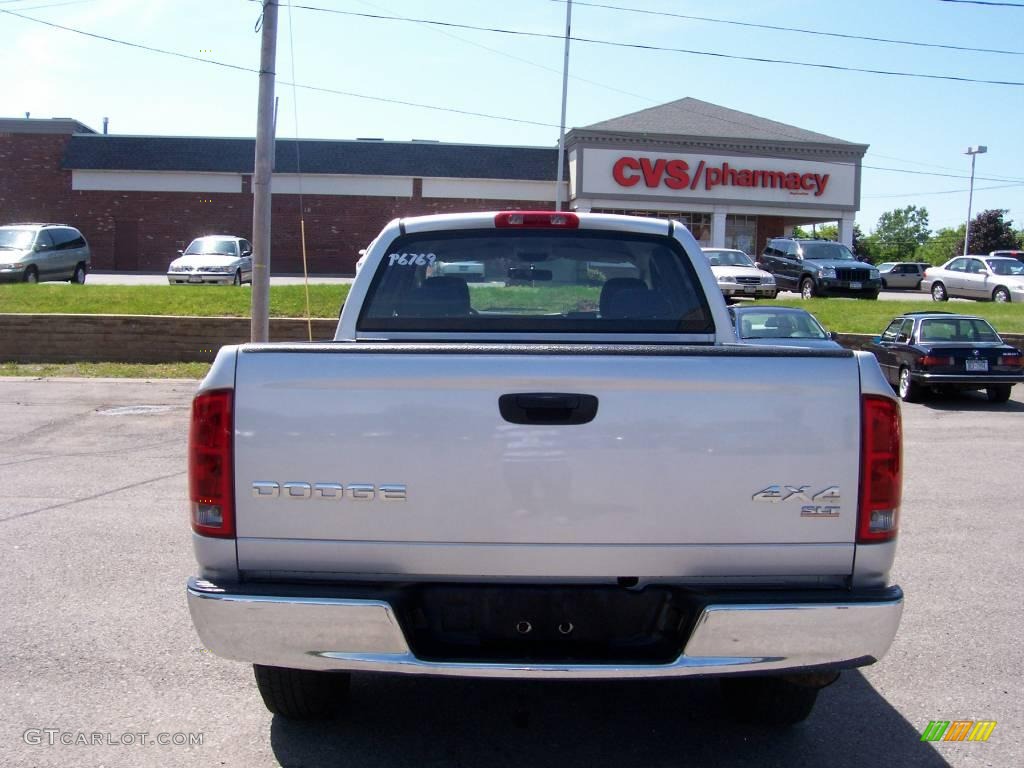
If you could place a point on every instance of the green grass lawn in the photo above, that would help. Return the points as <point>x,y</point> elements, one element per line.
<point>108,370</point>
<point>861,316</point>
<point>843,315</point>
<point>200,301</point>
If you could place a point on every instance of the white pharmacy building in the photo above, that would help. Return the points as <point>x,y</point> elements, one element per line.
<point>734,179</point>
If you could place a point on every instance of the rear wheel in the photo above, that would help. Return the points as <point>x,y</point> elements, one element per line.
<point>78,277</point>
<point>778,701</point>
<point>31,275</point>
<point>939,292</point>
<point>1001,296</point>
<point>807,288</point>
<point>908,391</point>
<point>301,694</point>
<point>998,393</point>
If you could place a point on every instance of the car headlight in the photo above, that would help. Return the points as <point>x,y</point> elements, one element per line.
<point>726,279</point>
<point>768,280</point>
<point>873,273</point>
<point>8,266</point>
<point>828,271</point>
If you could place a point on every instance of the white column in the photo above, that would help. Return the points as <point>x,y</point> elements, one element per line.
<point>846,231</point>
<point>787,230</point>
<point>718,229</point>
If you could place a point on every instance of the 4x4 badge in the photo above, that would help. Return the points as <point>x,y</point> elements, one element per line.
<point>813,506</point>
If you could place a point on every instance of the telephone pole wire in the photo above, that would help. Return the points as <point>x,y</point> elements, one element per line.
<point>264,169</point>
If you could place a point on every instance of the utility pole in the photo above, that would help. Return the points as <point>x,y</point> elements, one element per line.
<point>973,152</point>
<point>264,169</point>
<point>565,93</point>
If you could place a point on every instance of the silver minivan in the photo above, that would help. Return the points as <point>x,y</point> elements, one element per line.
<point>33,252</point>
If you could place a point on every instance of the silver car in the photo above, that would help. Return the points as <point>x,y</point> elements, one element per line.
<point>215,259</point>
<point>901,274</point>
<point>738,276</point>
<point>986,278</point>
<point>780,327</point>
<point>33,252</point>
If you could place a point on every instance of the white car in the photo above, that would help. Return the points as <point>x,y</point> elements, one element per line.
<point>737,274</point>
<point>988,278</point>
<point>216,259</point>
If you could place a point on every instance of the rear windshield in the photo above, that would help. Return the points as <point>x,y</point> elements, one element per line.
<point>778,325</point>
<point>957,329</point>
<point>536,281</point>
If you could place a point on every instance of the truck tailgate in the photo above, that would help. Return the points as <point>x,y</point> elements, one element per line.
<point>683,472</point>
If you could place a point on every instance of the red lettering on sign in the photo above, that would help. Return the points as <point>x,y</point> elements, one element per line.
<point>652,173</point>
<point>619,171</point>
<point>678,178</point>
<point>675,174</point>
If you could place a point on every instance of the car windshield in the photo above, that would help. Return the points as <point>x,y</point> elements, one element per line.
<point>17,239</point>
<point>1005,266</point>
<point>957,329</point>
<point>778,325</point>
<point>827,252</point>
<point>728,259</point>
<point>536,281</point>
<point>219,246</point>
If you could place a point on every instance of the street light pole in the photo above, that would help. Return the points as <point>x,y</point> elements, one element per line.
<point>259,326</point>
<point>973,152</point>
<point>565,94</point>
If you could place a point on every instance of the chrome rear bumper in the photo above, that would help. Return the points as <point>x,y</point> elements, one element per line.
<point>327,633</point>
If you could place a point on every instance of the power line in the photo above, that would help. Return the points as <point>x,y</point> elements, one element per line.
<point>352,94</point>
<point>646,47</point>
<point>944,175</point>
<point>943,192</point>
<point>984,2</point>
<point>799,30</point>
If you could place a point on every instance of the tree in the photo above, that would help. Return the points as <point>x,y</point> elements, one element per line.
<point>900,233</point>
<point>990,232</point>
<point>861,246</point>
<point>942,246</point>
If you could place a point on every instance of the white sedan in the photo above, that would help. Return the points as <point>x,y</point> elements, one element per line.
<point>985,278</point>
<point>738,276</point>
<point>216,259</point>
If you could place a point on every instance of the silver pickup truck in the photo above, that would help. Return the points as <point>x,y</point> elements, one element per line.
<point>567,468</point>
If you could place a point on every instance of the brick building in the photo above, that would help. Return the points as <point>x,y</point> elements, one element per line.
<point>735,179</point>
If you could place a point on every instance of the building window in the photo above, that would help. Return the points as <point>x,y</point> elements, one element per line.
<point>699,224</point>
<point>741,233</point>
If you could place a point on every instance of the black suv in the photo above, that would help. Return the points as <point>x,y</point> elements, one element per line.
<point>819,268</point>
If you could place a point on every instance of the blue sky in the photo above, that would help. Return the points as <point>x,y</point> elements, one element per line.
<point>911,123</point>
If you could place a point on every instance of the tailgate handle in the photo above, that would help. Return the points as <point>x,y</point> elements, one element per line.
<point>547,408</point>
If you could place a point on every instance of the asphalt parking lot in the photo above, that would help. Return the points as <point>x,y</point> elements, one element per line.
<point>96,636</point>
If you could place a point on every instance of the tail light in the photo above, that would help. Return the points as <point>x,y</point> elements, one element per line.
<point>211,464</point>
<point>881,468</point>
<point>930,361</point>
<point>537,219</point>
<point>1010,359</point>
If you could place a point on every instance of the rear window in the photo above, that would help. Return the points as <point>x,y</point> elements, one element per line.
<point>536,281</point>
<point>957,329</point>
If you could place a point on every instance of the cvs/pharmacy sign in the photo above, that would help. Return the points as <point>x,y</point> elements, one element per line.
<point>677,174</point>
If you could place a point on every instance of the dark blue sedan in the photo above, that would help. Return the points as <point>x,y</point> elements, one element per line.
<point>941,350</point>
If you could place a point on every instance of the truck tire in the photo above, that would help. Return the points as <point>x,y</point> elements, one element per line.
<point>774,701</point>
<point>301,694</point>
<point>807,288</point>
<point>998,393</point>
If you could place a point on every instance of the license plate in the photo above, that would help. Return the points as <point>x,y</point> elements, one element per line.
<point>977,365</point>
<point>748,289</point>
<point>194,279</point>
<point>855,286</point>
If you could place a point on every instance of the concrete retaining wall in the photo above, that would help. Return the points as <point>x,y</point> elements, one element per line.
<point>156,339</point>
<point>135,338</point>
